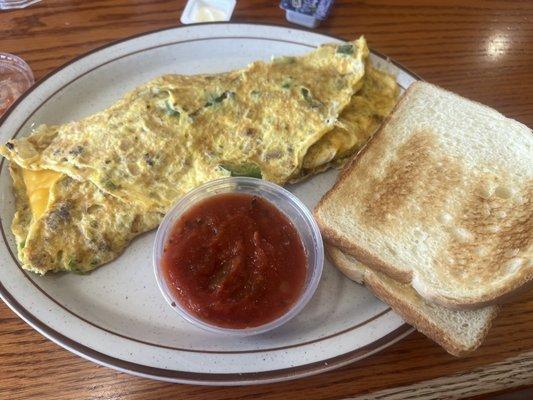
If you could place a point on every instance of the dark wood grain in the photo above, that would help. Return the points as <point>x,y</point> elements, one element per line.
<point>480,49</point>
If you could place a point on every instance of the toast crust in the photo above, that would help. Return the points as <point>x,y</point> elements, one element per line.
<point>343,264</point>
<point>413,316</point>
<point>515,233</point>
<point>335,238</point>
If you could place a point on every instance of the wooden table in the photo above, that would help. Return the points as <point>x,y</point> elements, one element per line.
<point>483,50</point>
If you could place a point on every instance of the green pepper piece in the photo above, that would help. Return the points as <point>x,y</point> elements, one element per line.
<point>169,109</point>
<point>345,49</point>
<point>250,170</point>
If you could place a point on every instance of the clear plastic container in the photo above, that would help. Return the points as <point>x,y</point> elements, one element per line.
<point>196,11</point>
<point>12,4</point>
<point>302,19</point>
<point>15,78</point>
<point>286,202</point>
<point>309,13</point>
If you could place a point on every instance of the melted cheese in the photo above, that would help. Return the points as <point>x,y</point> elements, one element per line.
<point>38,184</point>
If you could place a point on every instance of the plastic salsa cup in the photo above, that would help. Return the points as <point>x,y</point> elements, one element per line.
<point>297,213</point>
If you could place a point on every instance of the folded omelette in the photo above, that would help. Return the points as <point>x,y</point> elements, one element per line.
<point>85,189</point>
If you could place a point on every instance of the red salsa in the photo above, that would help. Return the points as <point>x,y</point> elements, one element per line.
<point>234,260</point>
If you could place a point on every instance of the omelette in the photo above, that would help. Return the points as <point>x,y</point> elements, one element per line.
<point>79,228</point>
<point>85,189</point>
<point>177,132</point>
<point>358,121</point>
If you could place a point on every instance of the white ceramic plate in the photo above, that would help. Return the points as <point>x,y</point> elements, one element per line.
<point>116,316</point>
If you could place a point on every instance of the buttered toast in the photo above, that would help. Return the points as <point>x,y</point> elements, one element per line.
<point>457,331</point>
<point>441,198</point>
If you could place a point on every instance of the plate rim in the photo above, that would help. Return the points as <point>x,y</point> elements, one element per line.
<point>183,376</point>
<point>198,378</point>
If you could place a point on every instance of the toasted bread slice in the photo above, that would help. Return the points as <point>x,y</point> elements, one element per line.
<point>457,331</point>
<point>442,198</point>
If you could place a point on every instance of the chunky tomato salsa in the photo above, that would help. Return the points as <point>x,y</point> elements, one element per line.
<point>234,260</point>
